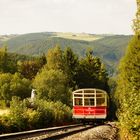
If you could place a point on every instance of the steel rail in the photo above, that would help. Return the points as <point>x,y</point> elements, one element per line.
<point>35,133</point>
<point>66,134</point>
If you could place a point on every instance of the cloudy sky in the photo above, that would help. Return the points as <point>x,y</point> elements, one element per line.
<point>90,16</point>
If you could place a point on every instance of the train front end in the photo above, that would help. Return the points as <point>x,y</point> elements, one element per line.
<point>90,104</point>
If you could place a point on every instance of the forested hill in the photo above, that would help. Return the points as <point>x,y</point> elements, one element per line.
<point>110,48</point>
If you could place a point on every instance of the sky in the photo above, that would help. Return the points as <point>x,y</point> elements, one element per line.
<point>77,16</point>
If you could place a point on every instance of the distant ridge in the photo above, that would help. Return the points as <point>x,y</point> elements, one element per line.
<point>110,48</point>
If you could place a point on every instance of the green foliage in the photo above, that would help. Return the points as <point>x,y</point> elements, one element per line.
<point>8,61</point>
<point>52,85</point>
<point>52,113</point>
<point>29,69</point>
<point>17,116</point>
<point>91,73</point>
<point>70,65</point>
<point>42,114</point>
<point>54,58</point>
<point>13,85</point>
<point>20,86</point>
<point>3,59</point>
<point>128,91</point>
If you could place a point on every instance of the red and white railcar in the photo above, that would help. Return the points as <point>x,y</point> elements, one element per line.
<point>90,104</point>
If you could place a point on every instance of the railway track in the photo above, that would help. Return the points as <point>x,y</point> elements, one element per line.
<point>53,133</point>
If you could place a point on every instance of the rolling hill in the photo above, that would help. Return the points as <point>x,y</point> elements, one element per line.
<point>110,48</point>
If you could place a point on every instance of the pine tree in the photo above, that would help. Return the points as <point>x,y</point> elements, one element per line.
<point>91,73</point>
<point>70,64</point>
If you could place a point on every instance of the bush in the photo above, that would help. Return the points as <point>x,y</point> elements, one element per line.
<point>41,114</point>
<point>52,113</point>
<point>18,116</point>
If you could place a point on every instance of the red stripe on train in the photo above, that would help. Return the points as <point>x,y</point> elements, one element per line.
<point>98,110</point>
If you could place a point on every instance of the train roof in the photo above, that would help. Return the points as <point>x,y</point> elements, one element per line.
<point>89,90</point>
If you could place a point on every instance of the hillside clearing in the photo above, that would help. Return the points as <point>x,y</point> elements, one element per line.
<point>78,36</point>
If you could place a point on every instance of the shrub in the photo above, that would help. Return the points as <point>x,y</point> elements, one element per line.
<point>40,114</point>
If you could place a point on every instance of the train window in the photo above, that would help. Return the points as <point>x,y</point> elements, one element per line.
<point>89,102</point>
<point>100,101</point>
<point>77,95</point>
<point>89,95</point>
<point>78,101</point>
<point>100,95</point>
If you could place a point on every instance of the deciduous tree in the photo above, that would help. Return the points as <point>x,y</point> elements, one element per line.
<point>55,58</point>
<point>52,85</point>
